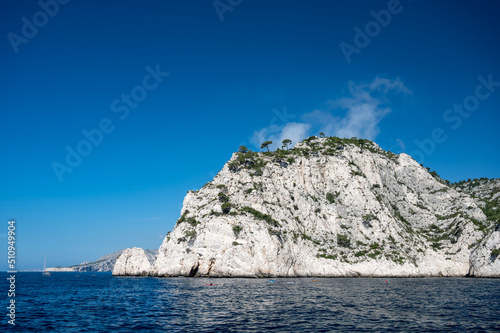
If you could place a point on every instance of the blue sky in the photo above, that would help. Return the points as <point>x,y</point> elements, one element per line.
<point>237,74</point>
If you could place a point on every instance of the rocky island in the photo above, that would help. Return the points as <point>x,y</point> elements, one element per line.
<point>105,263</point>
<point>329,207</point>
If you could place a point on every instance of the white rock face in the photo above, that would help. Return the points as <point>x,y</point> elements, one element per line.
<point>105,263</point>
<point>329,207</point>
<point>483,189</point>
<point>132,262</point>
<point>483,263</point>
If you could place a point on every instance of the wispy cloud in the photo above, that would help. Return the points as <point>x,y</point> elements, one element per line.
<point>277,133</point>
<point>356,115</point>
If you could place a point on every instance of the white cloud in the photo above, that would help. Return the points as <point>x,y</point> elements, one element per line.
<point>359,116</point>
<point>385,85</point>
<point>277,133</point>
<point>364,109</point>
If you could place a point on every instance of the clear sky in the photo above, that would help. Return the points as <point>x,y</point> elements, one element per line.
<point>112,110</point>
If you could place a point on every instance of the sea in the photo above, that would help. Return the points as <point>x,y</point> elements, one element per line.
<point>99,302</point>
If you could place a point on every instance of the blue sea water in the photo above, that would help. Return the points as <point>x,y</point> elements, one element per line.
<point>65,302</point>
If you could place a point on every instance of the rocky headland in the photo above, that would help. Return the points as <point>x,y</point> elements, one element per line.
<point>330,207</point>
<point>105,263</point>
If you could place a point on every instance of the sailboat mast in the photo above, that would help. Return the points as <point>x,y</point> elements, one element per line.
<point>45,273</point>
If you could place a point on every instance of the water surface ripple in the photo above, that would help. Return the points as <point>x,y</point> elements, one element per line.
<point>65,302</point>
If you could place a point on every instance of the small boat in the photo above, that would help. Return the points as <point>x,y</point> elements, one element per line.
<point>45,272</point>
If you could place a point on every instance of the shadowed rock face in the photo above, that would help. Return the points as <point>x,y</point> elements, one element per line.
<point>338,207</point>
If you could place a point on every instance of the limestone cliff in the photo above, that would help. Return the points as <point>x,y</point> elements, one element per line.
<point>105,263</point>
<point>327,207</point>
<point>133,261</point>
<point>486,193</point>
<point>484,261</point>
<point>484,190</point>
